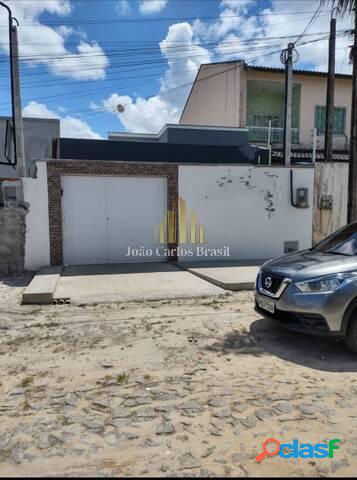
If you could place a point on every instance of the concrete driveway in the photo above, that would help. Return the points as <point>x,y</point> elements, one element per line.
<point>130,282</point>
<point>230,275</point>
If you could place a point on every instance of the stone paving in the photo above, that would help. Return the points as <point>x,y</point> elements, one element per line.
<point>167,388</point>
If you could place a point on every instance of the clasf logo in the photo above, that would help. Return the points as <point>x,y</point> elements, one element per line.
<point>272,447</point>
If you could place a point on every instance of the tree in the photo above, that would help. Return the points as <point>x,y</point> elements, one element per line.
<point>345,7</point>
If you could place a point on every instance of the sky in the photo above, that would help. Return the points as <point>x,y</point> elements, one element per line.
<point>80,59</point>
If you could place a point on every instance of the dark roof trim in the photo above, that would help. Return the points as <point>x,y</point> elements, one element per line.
<point>337,155</point>
<point>155,152</point>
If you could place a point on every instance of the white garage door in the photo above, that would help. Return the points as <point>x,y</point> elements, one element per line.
<point>104,216</point>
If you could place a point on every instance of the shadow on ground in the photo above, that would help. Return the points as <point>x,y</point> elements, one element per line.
<point>266,337</point>
<point>17,280</point>
<point>118,269</point>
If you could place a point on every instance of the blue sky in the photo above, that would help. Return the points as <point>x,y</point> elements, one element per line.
<point>81,58</point>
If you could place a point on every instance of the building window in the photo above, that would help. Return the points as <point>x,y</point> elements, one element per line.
<point>339,120</point>
<point>262,120</point>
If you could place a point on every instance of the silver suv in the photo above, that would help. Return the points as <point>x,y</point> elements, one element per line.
<point>314,291</point>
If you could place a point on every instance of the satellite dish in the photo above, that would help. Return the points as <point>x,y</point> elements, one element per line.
<point>120,108</point>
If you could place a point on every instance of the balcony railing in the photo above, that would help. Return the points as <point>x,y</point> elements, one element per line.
<point>261,134</point>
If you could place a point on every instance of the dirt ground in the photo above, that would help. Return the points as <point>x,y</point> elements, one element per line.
<point>166,388</point>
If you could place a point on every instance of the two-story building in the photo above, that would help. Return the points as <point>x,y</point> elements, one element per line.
<point>235,94</point>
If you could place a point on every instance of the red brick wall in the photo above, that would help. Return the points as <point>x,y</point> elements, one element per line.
<point>56,169</point>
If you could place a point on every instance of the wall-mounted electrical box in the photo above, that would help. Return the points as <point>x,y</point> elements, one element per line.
<point>326,202</point>
<point>302,198</point>
<point>10,194</point>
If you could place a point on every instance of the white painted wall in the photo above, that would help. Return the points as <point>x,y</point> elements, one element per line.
<point>37,247</point>
<point>230,201</point>
<point>232,204</point>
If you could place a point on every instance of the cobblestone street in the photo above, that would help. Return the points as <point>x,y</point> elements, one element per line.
<point>167,388</point>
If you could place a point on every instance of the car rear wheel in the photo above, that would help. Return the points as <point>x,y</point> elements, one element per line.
<point>351,337</point>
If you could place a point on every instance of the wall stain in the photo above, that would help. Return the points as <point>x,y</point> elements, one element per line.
<point>224,182</point>
<point>271,175</point>
<point>246,180</point>
<point>227,184</point>
<point>269,200</point>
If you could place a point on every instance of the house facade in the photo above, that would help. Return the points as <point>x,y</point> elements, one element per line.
<point>234,94</point>
<point>125,200</point>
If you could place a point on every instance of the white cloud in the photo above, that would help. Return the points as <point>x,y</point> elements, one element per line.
<point>183,62</point>
<point>231,18</point>
<point>41,44</point>
<point>149,115</point>
<point>66,32</point>
<point>149,7</point>
<point>314,55</point>
<point>123,7</point>
<point>142,115</point>
<point>88,63</point>
<point>38,110</point>
<point>75,128</point>
<point>235,35</point>
<point>238,24</point>
<point>70,126</point>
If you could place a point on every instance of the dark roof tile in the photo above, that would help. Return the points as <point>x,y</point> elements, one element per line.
<point>337,156</point>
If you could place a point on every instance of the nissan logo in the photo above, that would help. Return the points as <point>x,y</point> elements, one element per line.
<point>268,282</point>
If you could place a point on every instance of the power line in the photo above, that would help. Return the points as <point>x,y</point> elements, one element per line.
<point>197,80</point>
<point>127,62</point>
<point>311,22</point>
<point>174,48</point>
<point>96,21</point>
<point>90,91</point>
<point>75,94</point>
<point>174,89</point>
<point>124,63</point>
<point>143,42</point>
<point>150,67</point>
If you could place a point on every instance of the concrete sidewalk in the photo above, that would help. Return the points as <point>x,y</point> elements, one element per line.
<point>90,284</point>
<point>41,289</point>
<point>229,275</point>
<point>130,282</point>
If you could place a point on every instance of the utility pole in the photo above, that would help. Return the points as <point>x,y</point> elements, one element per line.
<point>352,174</point>
<point>287,59</point>
<point>17,121</point>
<point>330,94</point>
<point>314,145</point>
<point>19,130</point>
